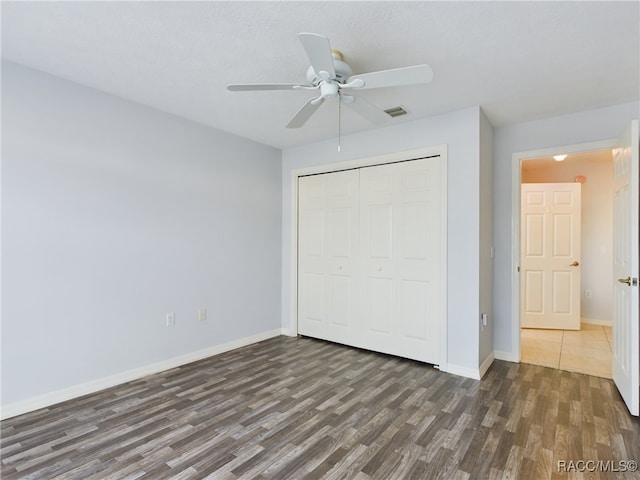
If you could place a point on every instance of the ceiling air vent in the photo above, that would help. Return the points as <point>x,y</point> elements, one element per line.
<point>396,111</point>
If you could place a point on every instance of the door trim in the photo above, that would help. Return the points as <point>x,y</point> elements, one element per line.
<point>438,150</point>
<point>516,162</point>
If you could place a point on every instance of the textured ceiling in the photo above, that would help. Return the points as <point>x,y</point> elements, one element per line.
<point>518,60</point>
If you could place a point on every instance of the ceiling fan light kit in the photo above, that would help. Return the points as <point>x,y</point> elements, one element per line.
<point>330,75</point>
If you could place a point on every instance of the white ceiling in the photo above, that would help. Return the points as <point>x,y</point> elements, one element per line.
<point>573,160</point>
<point>518,60</point>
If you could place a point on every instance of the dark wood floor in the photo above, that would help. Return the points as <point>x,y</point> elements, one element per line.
<point>303,408</point>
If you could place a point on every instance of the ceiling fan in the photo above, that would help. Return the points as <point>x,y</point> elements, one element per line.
<point>330,75</point>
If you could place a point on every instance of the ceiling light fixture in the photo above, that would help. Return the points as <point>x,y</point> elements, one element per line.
<point>559,158</point>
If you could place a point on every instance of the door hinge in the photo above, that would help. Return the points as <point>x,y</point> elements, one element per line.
<point>634,281</point>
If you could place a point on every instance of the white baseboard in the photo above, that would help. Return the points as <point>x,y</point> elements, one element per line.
<point>506,356</point>
<point>287,332</point>
<point>463,371</point>
<point>595,321</point>
<point>471,373</point>
<point>475,373</point>
<point>48,399</point>
<point>484,366</point>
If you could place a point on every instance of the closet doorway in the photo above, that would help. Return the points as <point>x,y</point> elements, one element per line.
<point>371,257</point>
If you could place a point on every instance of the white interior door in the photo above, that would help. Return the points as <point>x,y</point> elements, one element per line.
<point>550,256</point>
<point>327,255</point>
<point>402,253</point>
<point>626,339</point>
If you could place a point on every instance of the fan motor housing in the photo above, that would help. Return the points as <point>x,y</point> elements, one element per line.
<point>343,70</point>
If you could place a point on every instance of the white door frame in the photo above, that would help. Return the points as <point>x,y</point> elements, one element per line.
<point>438,150</point>
<point>516,163</point>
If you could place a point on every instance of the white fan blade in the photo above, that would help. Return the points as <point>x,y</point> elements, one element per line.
<point>245,87</point>
<point>319,52</point>
<point>396,77</point>
<point>369,110</point>
<point>308,109</point>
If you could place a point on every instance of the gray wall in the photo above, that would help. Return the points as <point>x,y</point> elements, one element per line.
<point>114,214</point>
<point>582,127</point>
<point>485,206</point>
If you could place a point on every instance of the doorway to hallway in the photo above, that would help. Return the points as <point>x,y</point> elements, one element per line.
<point>589,349</point>
<point>625,152</point>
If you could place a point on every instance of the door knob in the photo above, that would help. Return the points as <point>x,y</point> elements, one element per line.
<point>574,264</point>
<point>625,280</point>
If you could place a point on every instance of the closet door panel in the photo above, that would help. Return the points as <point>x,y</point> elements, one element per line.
<point>414,309</point>
<point>311,298</point>
<point>340,301</point>
<point>377,283</point>
<point>327,244</point>
<point>312,225</point>
<point>379,306</point>
<point>420,252</point>
<point>402,250</point>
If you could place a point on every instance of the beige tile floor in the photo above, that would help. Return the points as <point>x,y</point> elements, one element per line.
<point>587,350</point>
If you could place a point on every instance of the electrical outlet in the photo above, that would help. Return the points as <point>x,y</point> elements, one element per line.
<point>202,314</point>
<point>587,293</point>
<point>171,319</point>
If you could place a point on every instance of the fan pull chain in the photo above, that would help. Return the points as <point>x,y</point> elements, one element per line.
<point>339,112</point>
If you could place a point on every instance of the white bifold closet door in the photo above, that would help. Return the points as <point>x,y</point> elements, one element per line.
<point>328,255</point>
<point>371,258</point>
